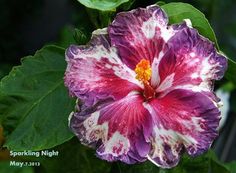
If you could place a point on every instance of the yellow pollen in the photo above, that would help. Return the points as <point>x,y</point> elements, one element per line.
<point>143,70</point>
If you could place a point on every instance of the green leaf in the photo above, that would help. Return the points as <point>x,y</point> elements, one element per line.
<point>227,87</point>
<point>179,11</point>
<point>217,167</point>
<point>191,165</point>
<point>74,158</point>
<point>34,104</point>
<point>206,163</point>
<point>4,69</point>
<point>70,35</point>
<point>126,6</point>
<point>160,3</point>
<point>80,37</point>
<point>146,167</point>
<point>6,168</point>
<point>231,71</point>
<point>231,166</point>
<point>100,19</point>
<point>103,5</point>
<point>66,37</point>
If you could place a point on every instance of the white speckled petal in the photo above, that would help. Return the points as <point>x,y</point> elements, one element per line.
<point>192,62</point>
<point>119,131</point>
<point>95,72</point>
<point>140,33</point>
<point>183,120</point>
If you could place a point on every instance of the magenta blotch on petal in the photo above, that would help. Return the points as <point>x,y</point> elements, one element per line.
<point>117,129</point>
<point>96,74</point>
<point>156,109</point>
<point>190,121</point>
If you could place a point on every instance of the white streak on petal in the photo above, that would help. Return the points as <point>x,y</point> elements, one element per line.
<point>69,118</point>
<point>171,138</point>
<point>102,31</point>
<point>194,122</point>
<point>191,87</point>
<point>199,88</point>
<point>149,28</point>
<point>166,34</point>
<point>206,68</point>
<point>155,163</point>
<point>194,75</point>
<point>161,138</point>
<point>206,72</point>
<point>155,79</point>
<point>188,23</point>
<point>120,69</point>
<point>167,83</point>
<point>94,131</point>
<point>132,93</point>
<point>92,120</point>
<point>117,145</point>
<point>192,54</point>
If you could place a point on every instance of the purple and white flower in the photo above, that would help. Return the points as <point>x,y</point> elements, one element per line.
<point>145,89</point>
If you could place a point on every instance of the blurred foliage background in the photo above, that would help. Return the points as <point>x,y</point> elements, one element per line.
<point>26,25</point>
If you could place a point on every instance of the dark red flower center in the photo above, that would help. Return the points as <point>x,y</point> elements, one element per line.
<point>144,73</point>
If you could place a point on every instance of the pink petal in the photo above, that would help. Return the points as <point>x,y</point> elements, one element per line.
<point>119,131</point>
<point>183,119</point>
<point>139,34</point>
<point>96,74</point>
<point>191,62</point>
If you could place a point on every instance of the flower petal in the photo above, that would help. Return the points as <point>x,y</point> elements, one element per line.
<point>182,119</point>
<point>191,62</point>
<point>140,33</point>
<point>95,73</point>
<point>119,131</point>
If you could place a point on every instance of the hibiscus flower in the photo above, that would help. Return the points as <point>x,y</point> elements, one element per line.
<point>145,89</point>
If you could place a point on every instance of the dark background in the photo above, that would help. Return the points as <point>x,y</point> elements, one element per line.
<point>27,25</point>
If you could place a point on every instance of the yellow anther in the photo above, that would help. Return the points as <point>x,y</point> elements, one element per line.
<point>143,70</point>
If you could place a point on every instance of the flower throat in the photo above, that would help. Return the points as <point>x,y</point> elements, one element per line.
<point>143,73</point>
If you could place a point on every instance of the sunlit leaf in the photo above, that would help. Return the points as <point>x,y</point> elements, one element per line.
<point>103,5</point>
